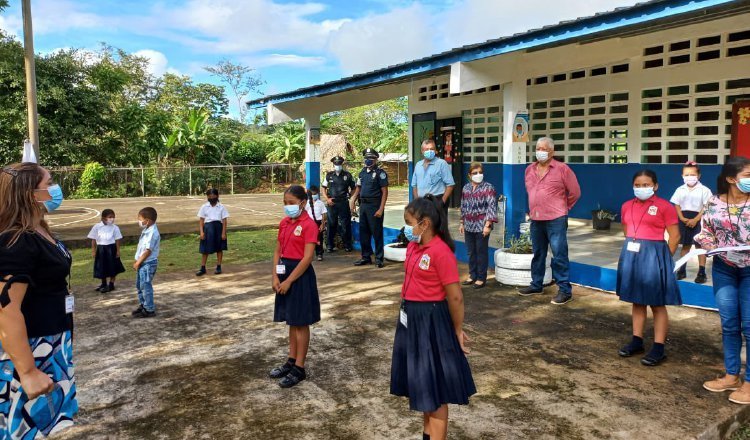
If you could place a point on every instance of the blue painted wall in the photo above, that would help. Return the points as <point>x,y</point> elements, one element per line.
<point>312,174</point>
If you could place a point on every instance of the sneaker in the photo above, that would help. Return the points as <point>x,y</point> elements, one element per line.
<point>528,291</point>
<point>723,384</point>
<point>700,278</point>
<point>146,314</point>
<point>320,258</point>
<point>562,298</point>
<point>740,397</point>
<point>137,311</point>
<point>201,272</point>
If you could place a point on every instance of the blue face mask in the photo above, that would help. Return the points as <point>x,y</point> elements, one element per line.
<point>644,193</point>
<point>316,197</point>
<point>369,162</point>
<point>429,154</point>
<point>409,234</point>
<point>744,185</point>
<point>292,211</point>
<point>57,198</point>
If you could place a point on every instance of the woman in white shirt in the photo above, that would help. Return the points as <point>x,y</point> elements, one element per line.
<point>690,200</point>
<point>319,213</point>
<point>213,230</point>
<point>105,248</point>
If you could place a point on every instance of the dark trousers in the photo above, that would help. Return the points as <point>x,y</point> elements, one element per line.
<point>340,220</point>
<point>554,234</point>
<point>478,247</point>
<point>370,227</point>
<point>319,246</point>
<point>443,205</point>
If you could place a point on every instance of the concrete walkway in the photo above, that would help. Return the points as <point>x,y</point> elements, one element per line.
<point>198,370</point>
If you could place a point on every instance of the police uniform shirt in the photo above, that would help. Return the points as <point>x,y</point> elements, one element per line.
<point>371,181</point>
<point>338,185</point>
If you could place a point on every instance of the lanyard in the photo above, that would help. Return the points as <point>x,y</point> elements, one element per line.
<point>411,272</point>
<point>632,218</point>
<point>64,251</point>
<point>286,239</point>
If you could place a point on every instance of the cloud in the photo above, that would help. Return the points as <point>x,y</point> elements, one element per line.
<point>11,25</point>
<point>288,59</point>
<point>157,61</point>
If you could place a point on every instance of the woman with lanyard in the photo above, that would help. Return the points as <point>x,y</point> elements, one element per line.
<point>645,271</point>
<point>726,223</point>
<point>37,385</point>
<point>478,213</point>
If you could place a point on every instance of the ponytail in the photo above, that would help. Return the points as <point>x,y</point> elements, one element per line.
<point>431,207</point>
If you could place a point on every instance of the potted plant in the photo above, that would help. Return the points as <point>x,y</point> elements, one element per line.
<point>396,251</point>
<point>602,218</point>
<point>513,264</point>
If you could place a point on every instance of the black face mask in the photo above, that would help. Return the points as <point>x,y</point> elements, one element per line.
<point>213,202</point>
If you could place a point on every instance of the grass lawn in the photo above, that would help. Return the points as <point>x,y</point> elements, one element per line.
<point>181,254</point>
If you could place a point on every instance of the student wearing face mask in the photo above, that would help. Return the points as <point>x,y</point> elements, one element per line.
<point>146,262</point>
<point>433,175</point>
<point>645,275</point>
<point>106,239</point>
<point>317,211</point>
<point>429,364</point>
<point>36,321</point>
<point>294,282</point>
<point>478,213</point>
<point>212,227</point>
<point>689,199</point>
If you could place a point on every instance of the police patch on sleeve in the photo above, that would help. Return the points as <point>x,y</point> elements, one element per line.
<point>382,175</point>
<point>346,178</point>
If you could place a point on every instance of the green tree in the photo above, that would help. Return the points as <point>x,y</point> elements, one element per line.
<point>3,4</point>
<point>190,138</point>
<point>287,142</point>
<point>382,126</point>
<point>242,81</point>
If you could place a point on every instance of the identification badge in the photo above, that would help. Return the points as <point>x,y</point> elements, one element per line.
<point>374,174</point>
<point>735,257</point>
<point>298,231</point>
<point>424,263</point>
<point>634,246</point>
<point>653,210</point>
<point>402,317</point>
<point>280,269</point>
<point>70,304</point>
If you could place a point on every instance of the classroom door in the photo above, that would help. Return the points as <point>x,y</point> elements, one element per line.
<point>450,147</point>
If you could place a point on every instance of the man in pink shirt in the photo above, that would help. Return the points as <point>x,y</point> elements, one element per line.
<point>553,190</point>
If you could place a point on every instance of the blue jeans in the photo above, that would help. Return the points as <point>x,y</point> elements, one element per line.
<point>551,233</point>
<point>732,291</point>
<point>143,282</point>
<point>477,246</point>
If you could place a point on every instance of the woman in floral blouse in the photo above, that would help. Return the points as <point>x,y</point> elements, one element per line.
<point>726,222</point>
<point>478,213</point>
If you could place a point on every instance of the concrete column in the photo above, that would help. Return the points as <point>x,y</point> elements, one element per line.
<point>514,158</point>
<point>312,150</point>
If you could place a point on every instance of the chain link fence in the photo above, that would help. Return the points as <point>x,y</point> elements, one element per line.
<point>195,180</point>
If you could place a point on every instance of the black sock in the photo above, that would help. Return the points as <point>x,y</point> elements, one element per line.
<point>636,343</point>
<point>299,371</point>
<point>425,436</point>
<point>218,266</point>
<point>111,284</point>
<point>702,270</point>
<point>657,351</point>
<point>291,361</point>
<point>203,268</point>
<point>104,282</point>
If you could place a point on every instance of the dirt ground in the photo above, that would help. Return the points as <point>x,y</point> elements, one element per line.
<point>199,370</point>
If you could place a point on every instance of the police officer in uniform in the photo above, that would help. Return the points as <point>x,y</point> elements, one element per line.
<point>372,191</point>
<point>338,186</point>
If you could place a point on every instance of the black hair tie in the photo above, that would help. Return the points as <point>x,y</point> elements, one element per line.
<point>4,296</point>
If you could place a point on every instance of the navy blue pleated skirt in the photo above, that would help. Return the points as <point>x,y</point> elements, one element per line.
<point>687,234</point>
<point>301,304</point>
<point>428,365</point>
<point>106,263</point>
<point>213,242</point>
<point>647,277</point>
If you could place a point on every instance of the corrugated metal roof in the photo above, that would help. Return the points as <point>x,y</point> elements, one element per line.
<point>620,19</point>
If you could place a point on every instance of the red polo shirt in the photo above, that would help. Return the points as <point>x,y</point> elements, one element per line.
<point>429,269</point>
<point>294,234</point>
<point>554,195</point>
<point>648,219</point>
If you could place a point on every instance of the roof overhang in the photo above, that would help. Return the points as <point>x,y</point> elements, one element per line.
<point>464,66</point>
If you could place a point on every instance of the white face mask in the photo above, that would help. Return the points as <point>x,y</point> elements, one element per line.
<point>477,178</point>
<point>338,168</point>
<point>110,221</point>
<point>542,156</point>
<point>690,180</point>
<point>142,224</point>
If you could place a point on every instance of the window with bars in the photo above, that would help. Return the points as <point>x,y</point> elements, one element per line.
<point>483,134</point>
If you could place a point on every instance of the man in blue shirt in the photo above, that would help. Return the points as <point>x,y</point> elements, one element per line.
<point>432,175</point>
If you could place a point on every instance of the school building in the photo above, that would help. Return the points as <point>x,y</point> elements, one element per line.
<point>653,85</point>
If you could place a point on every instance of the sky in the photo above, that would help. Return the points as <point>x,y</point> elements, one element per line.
<point>290,44</point>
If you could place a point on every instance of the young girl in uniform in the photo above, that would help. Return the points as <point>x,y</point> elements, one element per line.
<point>213,229</point>
<point>317,211</point>
<point>645,271</point>
<point>429,365</point>
<point>105,248</point>
<point>690,200</point>
<point>297,301</point>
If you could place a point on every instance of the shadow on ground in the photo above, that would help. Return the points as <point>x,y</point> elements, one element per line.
<point>199,369</point>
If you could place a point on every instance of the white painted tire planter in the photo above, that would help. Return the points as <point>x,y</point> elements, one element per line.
<point>515,269</point>
<point>392,253</point>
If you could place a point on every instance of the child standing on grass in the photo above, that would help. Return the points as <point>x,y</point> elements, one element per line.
<point>213,230</point>
<point>429,364</point>
<point>690,200</point>
<point>317,211</point>
<point>295,285</point>
<point>146,261</point>
<point>645,271</point>
<point>105,248</point>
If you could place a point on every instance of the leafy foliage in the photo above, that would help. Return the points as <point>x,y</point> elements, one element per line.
<point>288,143</point>
<point>520,244</point>
<point>92,182</point>
<point>242,81</point>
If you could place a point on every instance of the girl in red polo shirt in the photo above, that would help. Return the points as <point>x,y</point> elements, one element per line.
<point>429,365</point>
<point>297,301</point>
<point>645,271</point>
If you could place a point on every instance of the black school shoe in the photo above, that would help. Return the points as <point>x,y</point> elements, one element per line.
<point>218,270</point>
<point>111,287</point>
<point>99,289</point>
<point>700,278</point>
<point>137,311</point>
<point>562,298</point>
<point>380,264</point>
<point>362,262</point>
<point>282,371</point>
<point>146,314</point>
<point>294,377</point>
<point>651,361</point>
<point>201,272</point>
<point>528,291</point>
<point>630,350</point>
<point>105,289</point>
<point>681,275</point>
